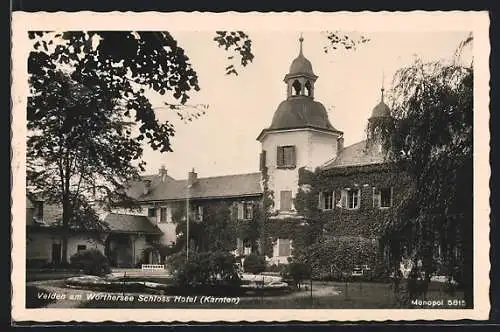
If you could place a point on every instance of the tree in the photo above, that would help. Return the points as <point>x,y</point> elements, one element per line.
<point>86,91</point>
<point>432,141</point>
<point>254,264</point>
<point>216,230</point>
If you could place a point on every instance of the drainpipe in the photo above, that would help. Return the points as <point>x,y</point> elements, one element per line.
<point>133,249</point>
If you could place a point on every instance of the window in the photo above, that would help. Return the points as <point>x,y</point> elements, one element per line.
<point>351,198</point>
<point>245,211</point>
<point>198,213</point>
<point>382,198</point>
<point>248,211</point>
<point>285,200</point>
<point>151,212</point>
<point>81,247</point>
<point>286,157</point>
<point>247,247</point>
<point>283,247</point>
<point>326,200</point>
<point>163,214</point>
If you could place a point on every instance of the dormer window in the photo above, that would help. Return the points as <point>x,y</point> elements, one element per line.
<point>286,157</point>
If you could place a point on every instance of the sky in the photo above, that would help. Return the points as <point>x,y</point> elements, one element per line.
<point>223,141</point>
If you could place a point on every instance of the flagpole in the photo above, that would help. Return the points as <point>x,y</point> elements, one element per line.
<point>187,222</point>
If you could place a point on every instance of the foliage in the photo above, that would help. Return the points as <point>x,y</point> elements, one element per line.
<point>87,95</point>
<point>92,262</point>
<point>217,230</point>
<point>254,263</point>
<point>341,40</point>
<point>365,221</point>
<point>240,43</point>
<point>432,141</point>
<point>298,271</point>
<point>204,268</point>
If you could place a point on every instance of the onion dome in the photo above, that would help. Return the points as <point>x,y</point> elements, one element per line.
<point>381,110</point>
<point>301,112</point>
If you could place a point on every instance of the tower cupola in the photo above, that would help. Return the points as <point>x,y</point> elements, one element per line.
<point>300,78</point>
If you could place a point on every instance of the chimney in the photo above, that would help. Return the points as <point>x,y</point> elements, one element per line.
<point>147,186</point>
<point>340,143</point>
<point>192,177</point>
<point>162,173</point>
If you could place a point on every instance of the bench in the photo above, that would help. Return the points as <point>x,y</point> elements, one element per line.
<point>152,267</point>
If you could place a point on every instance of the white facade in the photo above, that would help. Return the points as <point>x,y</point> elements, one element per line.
<point>39,246</point>
<point>167,226</point>
<point>312,149</point>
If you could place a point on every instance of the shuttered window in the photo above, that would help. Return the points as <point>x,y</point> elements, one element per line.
<point>240,211</point>
<point>286,156</point>
<point>351,198</point>
<point>326,200</point>
<point>163,215</point>
<point>169,214</point>
<point>285,200</point>
<point>245,210</point>
<point>382,197</point>
<point>248,211</point>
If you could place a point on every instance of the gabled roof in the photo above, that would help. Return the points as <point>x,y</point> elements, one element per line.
<point>124,223</point>
<point>237,185</point>
<point>136,188</point>
<point>357,154</point>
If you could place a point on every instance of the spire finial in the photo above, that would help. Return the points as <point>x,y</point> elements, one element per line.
<point>301,40</point>
<point>382,87</point>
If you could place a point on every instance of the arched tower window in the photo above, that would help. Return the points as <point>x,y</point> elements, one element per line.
<point>308,87</point>
<point>297,87</point>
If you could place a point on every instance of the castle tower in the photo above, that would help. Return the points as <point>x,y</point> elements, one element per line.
<point>300,135</point>
<point>379,123</point>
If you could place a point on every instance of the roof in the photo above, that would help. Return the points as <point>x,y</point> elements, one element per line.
<point>301,112</point>
<point>130,224</point>
<point>301,65</point>
<point>136,188</point>
<point>210,187</point>
<point>381,111</point>
<point>357,154</point>
<point>52,214</point>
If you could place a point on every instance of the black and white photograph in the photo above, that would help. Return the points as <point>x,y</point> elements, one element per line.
<point>252,162</point>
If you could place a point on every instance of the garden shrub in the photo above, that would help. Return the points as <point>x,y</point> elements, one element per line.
<point>204,269</point>
<point>92,262</point>
<point>298,272</point>
<point>254,263</point>
<point>339,255</point>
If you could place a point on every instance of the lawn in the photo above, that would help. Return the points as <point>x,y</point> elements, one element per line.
<point>325,295</point>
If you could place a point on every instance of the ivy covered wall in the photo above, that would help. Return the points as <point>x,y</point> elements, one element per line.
<point>365,221</point>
